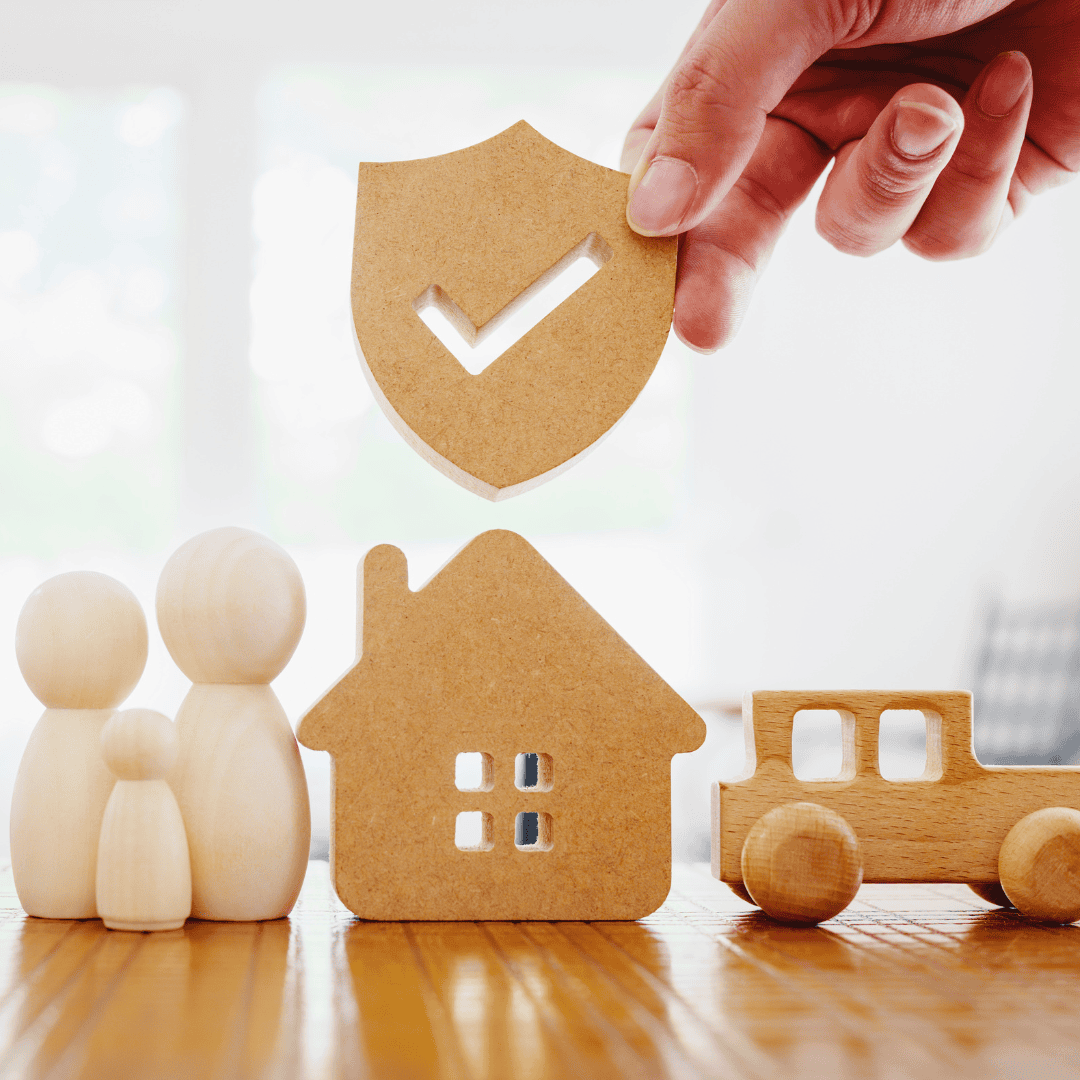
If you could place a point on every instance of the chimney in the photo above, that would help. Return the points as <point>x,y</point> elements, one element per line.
<point>381,588</point>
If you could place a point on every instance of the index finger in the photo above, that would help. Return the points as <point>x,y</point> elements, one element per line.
<point>642,128</point>
<point>713,109</point>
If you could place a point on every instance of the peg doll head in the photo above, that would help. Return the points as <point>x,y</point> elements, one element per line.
<point>231,607</point>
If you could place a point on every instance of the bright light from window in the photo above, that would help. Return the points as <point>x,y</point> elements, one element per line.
<point>82,426</point>
<point>144,123</point>
<point>310,381</point>
<point>87,332</point>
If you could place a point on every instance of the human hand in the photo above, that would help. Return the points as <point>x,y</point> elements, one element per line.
<point>937,137</point>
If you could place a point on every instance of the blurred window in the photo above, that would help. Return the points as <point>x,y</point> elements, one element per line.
<point>88,318</point>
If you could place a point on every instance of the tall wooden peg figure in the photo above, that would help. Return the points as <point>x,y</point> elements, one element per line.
<point>143,867</point>
<point>231,608</point>
<point>81,646</point>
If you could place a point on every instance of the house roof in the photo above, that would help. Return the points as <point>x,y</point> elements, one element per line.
<point>496,640</point>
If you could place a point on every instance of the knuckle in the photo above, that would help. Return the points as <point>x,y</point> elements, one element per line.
<point>972,171</point>
<point>762,198</point>
<point>696,85</point>
<point>891,182</point>
<point>849,20</point>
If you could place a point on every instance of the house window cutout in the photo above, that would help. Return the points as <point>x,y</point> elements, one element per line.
<point>902,745</point>
<point>473,832</point>
<point>817,744</point>
<point>532,772</point>
<point>532,832</point>
<point>475,348</point>
<point>472,772</point>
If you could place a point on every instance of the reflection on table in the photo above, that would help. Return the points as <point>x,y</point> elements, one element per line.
<point>910,980</point>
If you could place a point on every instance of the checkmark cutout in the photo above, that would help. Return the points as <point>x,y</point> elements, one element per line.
<point>475,349</point>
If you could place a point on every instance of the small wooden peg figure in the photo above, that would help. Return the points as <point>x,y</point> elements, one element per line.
<point>143,866</point>
<point>81,646</point>
<point>231,608</point>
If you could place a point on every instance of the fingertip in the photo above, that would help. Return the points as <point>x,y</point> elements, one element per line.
<point>660,197</point>
<point>701,350</point>
<point>929,94</point>
<point>1005,82</point>
<point>920,129</point>
<point>924,119</point>
<point>980,188</point>
<point>699,319</point>
<point>936,246</point>
<point>711,300</point>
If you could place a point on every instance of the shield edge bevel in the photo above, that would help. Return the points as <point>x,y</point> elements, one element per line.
<point>455,472</point>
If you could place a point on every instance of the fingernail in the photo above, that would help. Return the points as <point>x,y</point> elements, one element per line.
<point>1004,84</point>
<point>919,129</point>
<point>662,197</point>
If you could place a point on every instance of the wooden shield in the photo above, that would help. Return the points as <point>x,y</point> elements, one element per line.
<point>471,232</point>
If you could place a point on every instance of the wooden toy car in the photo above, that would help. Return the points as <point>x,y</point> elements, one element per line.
<point>799,849</point>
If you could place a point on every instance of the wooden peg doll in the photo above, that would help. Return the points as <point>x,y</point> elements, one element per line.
<point>143,866</point>
<point>81,646</point>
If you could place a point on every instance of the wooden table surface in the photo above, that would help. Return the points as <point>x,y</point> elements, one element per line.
<point>910,981</point>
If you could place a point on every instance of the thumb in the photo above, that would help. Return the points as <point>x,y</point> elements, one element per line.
<point>716,101</point>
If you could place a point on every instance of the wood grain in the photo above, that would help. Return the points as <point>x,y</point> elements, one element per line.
<point>910,980</point>
<point>1040,865</point>
<point>143,866</point>
<point>81,644</point>
<point>801,863</point>
<point>231,608</point>
<point>946,826</point>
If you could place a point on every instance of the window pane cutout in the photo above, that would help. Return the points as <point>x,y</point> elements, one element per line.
<point>817,744</point>
<point>532,772</point>
<point>533,832</point>
<point>902,744</point>
<point>472,831</point>
<point>472,772</point>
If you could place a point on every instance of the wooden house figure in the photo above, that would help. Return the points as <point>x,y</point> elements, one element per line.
<point>498,664</point>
